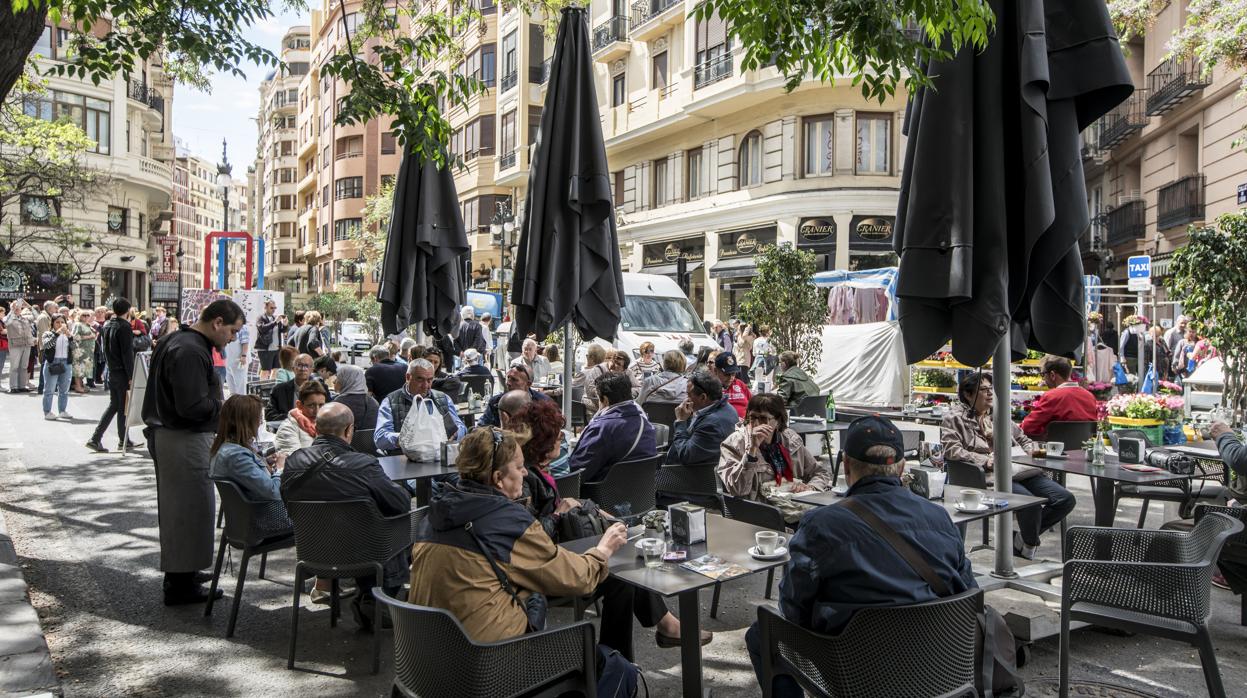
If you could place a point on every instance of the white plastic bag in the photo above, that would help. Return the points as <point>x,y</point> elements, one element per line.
<point>423,431</point>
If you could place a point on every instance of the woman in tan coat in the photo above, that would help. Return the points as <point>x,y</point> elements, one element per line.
<point>764,450</point>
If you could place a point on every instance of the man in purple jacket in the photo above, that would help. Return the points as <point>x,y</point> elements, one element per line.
<point>619,432</point>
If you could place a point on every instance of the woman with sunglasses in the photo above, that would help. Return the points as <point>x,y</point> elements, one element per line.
<point>764,451</point>
<point>478,519</point>
<point>966,435</point>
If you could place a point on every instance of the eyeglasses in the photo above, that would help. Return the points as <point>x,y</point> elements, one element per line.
<point>308,366</point>
<point>493,458</point>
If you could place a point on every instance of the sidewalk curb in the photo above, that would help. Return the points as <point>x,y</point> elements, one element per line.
<point>25,663</point>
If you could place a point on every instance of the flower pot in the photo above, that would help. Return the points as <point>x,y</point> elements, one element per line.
<point>1154,429</point>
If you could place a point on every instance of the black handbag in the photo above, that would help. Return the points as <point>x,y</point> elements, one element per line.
<point>535,608</point>
<point>582,522</point>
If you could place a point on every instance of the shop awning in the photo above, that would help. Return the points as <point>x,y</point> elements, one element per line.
<point>669,269</point>
<point>739,268</point>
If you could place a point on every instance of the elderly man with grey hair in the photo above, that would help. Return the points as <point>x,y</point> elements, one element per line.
<point>538,366</point>
<point>418,393</point>
<point>471,336</point>
<point>385,375</point>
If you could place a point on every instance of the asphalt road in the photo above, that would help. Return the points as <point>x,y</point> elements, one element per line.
<point>85,528</point>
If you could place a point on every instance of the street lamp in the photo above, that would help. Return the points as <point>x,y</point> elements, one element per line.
<point>501,229</point>
<point>359,271</point>
<point>223,181</point>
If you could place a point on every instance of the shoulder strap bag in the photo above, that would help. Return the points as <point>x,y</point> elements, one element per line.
<point>660,386</point>
<point>534,609</point>
<point>997,672</point>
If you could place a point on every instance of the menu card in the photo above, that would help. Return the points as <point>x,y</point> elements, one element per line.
<point>714,567</point>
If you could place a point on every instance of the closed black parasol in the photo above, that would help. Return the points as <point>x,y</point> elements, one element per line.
<point>993,199</point>
<point>567,267</point>
<point>422,280</point>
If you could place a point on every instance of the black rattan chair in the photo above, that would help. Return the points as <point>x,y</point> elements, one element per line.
<point>483,385</point>
<point>363,442</point>
<point>628,489</point>
<point>755,514</point>
<point>344,539</point>
<point>810,406</point>
<point>1235,550</point>
<point>1142,581</point>
<point>698,484</point>
<point>430,641</point>
<point>860,662</point>
<point>1180,491</point>
<point>252,527</point>
<point>660,412</point>
<point>579,416</point>
<point>569,485</point>
<point>1072,434</point>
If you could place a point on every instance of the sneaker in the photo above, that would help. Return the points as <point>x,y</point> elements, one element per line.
<point>49,416</point>
<point>66,416</point>
<point>1021,549</point>
<point>96,446</point>
<point>1219,581</point>
<point>130,445</point>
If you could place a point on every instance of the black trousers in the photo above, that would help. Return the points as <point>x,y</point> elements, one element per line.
<point>620,603</point>
<point>117,387</point>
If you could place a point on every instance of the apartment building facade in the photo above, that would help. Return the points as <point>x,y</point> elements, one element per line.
<point>1164,160</point>
<point>130,125</point>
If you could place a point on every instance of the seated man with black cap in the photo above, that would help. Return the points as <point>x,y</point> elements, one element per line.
<point>840,563</point>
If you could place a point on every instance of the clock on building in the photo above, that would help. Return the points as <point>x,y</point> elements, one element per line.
<point>36,209</point>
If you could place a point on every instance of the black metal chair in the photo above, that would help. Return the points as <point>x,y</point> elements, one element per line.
<point>810,406</point>
<point>660,412</point>
<point>858,662</point>
<point>628,489</point>
<point>252,527</point>
<point>363,442</point>
<point>1072,434</point>
<point>695,483</point>
<point>1142,581</point>
<point>911,439</point>
<point>1179,491</point>
<point>482,385</point>
<point>755,514</point>
<point>1235,550</point>
<point>580,416</point>
<point>344,539</point>
<point>430,641</point>
<point>569,485</point>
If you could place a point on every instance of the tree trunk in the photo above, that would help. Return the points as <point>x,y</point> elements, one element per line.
<point>16,41</point>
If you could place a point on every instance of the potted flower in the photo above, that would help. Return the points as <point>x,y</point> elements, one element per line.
<point>1101,390</point>
<point>1147,413</point>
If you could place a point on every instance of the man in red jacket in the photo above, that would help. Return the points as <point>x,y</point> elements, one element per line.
<point>1065,401</point>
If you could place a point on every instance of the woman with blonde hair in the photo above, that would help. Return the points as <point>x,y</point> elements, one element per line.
<point>84,348</point>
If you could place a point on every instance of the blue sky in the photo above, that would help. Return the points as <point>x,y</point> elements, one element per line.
<point>202,119</point>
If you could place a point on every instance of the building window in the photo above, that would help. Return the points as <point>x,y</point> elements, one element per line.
<point>534,123</point>
<point>661,180</point>
<point>91,115</point>
<point>818,140</point>
<point>874,143</point>
<point>510,62</point>
<point>345,228</point>
<point>658,74</point>
<point>326,119</point>
<point>324,195</point>
<point>117,220</point>
<point>536,52</point>
<point>348,188</point>
<point>508,133</point>
<point>43,46</point>
<point>489,64</point>
<point>470,208</point>
<point>619,92</point>
<point>324,157</point>
<point>750,162</point>
<point>39,210</point>
<point>694,176</point>
<point>617,179</point>
<point>387,143</point>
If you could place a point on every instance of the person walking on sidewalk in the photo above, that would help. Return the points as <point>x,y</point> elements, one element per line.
<point>118,344</point>
<point>4,341</point>
<point>181,407</point>
<point>57,371</point>
<point>21,339</point>
<point>43,324</point>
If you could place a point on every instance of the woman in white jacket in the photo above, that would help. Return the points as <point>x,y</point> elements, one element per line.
<point>299,429</point>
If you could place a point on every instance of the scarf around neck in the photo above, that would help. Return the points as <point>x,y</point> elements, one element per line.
<point>305,423</point>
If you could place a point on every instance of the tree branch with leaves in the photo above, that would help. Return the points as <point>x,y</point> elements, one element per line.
<point>784,298</point>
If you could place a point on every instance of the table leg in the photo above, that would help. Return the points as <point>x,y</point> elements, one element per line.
<point>690,643</point>
<point>1105,506</point>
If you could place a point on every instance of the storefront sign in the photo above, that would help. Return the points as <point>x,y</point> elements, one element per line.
<point>168,254</point>
<point>816,232</point>
<point>871,232</point>
<point>660,253</point>
<point>746,243</point>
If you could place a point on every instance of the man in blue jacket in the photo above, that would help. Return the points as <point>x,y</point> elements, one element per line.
<point>619,432</point>
<point>839,564</point>
<point>703,421</point>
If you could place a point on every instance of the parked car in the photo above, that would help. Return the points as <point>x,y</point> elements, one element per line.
<point>355,337</point>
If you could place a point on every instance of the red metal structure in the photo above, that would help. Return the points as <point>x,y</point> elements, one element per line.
<point>223,235</point>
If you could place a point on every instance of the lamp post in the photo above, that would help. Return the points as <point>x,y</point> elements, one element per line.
<point>223,181</point>
<point>501,229</point>
<point>360,261</point>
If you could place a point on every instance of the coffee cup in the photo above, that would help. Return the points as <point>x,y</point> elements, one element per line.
<point>768,542</point>
<point>1056,448</point>
<point>971,499</point>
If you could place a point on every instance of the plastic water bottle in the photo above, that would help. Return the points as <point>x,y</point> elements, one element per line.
<point>831,407</point>
<point>472,398</point>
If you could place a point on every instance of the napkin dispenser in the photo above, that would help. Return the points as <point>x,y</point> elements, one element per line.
<point>927,482</point>
<point>688,523</point>
<point>1130,450</point>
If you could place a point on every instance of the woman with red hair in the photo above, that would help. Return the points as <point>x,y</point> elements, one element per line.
<point>545,426</point>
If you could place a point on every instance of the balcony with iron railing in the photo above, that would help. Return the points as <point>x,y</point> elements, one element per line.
<point>1173,81</point>
<point>140,92</point>
<point>509,81</point>
<point>713,70</point>
<point>1127,119</point>
<point>508,160</point>
<point>650,18</point>
<point>610,39</point>
<point>1093,240</point>
<point>1126,222</point>
<point>1180,202</point>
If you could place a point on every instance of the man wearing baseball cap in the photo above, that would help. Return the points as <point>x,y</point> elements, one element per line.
<point>839,563</point>
<point>734,389</point>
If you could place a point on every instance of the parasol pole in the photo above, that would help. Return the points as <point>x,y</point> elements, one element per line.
<point>1002,439</point>
<point>569,361</point>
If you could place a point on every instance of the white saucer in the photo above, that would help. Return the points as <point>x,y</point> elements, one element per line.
<point>840,490</point>
<point>779,553</point>
<point>971,510</point>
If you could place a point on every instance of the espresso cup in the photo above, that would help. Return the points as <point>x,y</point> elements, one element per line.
<point>1056,448</point>
<point>971,499</point>
<point>768,542</point>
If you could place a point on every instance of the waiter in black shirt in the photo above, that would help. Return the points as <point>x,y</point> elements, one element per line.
<point>181,407</point>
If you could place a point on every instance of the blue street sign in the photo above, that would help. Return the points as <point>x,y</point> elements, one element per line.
<point>1139,267</point>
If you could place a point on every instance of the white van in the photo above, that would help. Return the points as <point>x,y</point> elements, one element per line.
<point>655,310</point>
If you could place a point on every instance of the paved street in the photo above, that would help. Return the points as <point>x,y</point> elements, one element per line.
<point>84,526</point>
